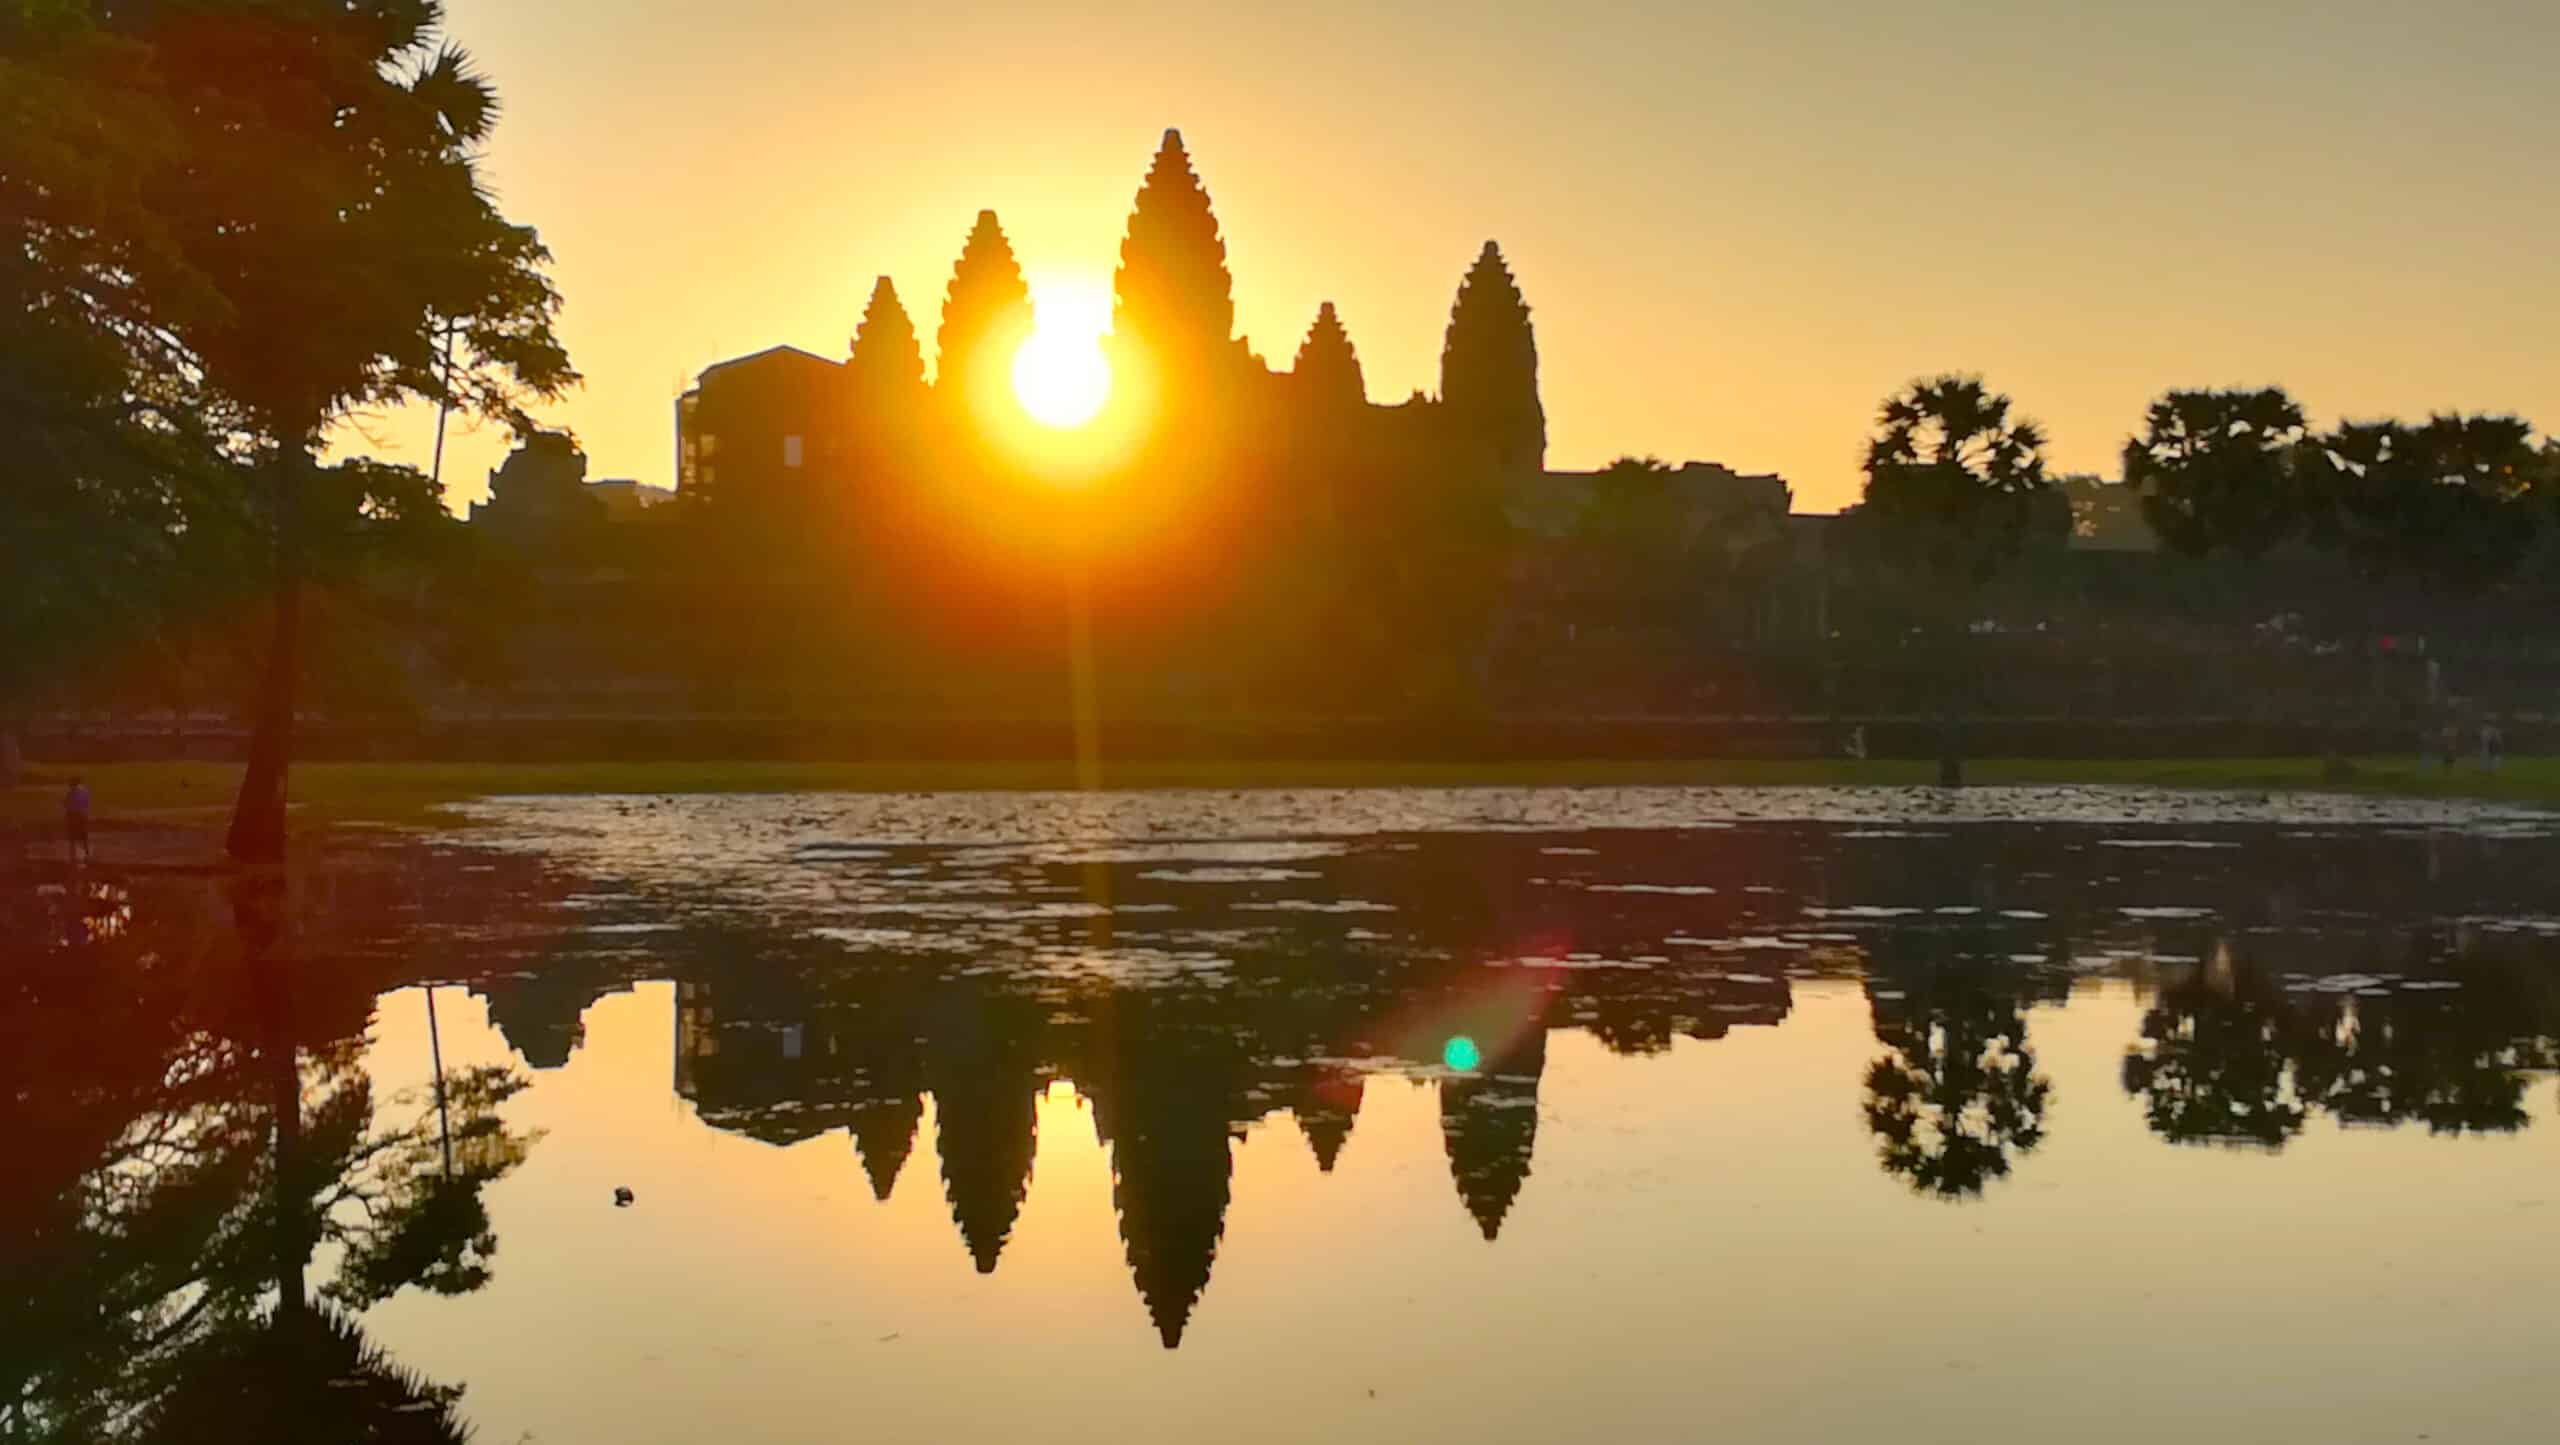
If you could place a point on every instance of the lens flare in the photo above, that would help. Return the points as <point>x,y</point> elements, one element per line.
<point>1060,375</point>
<point>1461,1054</point>
<point>1062,380</point>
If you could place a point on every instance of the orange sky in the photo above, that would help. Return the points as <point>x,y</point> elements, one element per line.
<point>1739,225</point>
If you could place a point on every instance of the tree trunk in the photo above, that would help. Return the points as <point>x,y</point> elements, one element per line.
<point>258,817</point>
<point>1950,706</point>
<point>292,1242</point>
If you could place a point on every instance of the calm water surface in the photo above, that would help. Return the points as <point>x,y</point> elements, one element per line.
<point>1488,1115</point>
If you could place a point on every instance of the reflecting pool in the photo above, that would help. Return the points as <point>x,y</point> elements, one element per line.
<point>1478,1114</point>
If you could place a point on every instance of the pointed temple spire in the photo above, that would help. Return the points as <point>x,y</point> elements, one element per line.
<point>1328,369</point>
<point>886,360</point>
<point>1489,367</point>
<point>986,316</point>
<point>1172,294</point>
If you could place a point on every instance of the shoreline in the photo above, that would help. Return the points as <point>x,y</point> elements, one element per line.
<point>186,796</point>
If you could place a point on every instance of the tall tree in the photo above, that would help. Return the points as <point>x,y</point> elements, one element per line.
<point>120,526</point>
<point>1489,367</point>
<point>986,316</point>
<point>1955,490</point>
<point>1328,369</point>
<point>2215,471</point>
<point>1173,303</point>
<point>306,231</point>
<point>2454,503</point>
<point>887,365</point>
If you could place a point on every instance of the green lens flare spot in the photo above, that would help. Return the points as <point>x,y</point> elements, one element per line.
<point>1461,1054</point>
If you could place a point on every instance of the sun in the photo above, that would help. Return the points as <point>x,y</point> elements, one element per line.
<point>1060,375</point>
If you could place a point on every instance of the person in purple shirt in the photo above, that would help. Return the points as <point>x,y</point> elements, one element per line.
<point>75,821</point>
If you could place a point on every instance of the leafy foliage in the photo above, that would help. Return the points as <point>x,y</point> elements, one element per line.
<point>2215,471</point>
<point>287,224</point>
<point>1956,1094</point>
<point>1955,485</point>
<point>2456,502</point>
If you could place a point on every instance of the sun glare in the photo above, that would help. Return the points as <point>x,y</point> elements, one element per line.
<point>1060,374</point>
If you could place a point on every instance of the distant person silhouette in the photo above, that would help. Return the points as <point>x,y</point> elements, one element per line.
<point>75,822</point>
<point>2493,746</point>
<point>1857,744</point>
<point>2451,746</point>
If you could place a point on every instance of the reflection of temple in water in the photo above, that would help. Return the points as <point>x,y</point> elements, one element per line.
<point>1326,1103</point>
<point>1489,1124</point>
<point>981,1066</point>
<point>1173,1079</point>
<point>1493,942</point>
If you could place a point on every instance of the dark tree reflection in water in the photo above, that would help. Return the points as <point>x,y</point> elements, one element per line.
<point>1956,1095</point>
<point>201,1130</point>
<point>2221,1060</point>
<point>2232,1055</point>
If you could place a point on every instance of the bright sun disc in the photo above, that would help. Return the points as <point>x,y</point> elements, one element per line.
<point>1062,379</point>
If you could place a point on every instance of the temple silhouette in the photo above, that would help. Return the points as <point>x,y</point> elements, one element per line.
<point>782,426</point>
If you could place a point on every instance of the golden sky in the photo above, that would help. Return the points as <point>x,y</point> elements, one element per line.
<point>1739,225</point>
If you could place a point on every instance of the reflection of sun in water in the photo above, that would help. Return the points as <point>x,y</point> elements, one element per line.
<point>1060,374</point>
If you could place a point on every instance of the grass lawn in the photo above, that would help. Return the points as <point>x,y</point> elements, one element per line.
<point>408,793</point>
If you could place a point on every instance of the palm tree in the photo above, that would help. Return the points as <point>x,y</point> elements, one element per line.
<point>1956,487</point>
<point>2215,471</point>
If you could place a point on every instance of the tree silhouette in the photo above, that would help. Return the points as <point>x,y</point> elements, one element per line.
<point>121,524</point>
<point>986,316</point>
<point>1956,1094</point>
<point>887,367</point>
<point>1327,370</point>
<point>2215,471</point>
<point>2456,502</point>
<point>228,1134</point>
<point>303,228</point>
<point>1172,299</point>
<point>1955,491</point>
<point>1489,367</point>
<point>2221,1062</point>
<point>316,1383</point>
<point>2456,1060</point>
<point>408,1207</point>
<point>1955,481</point>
